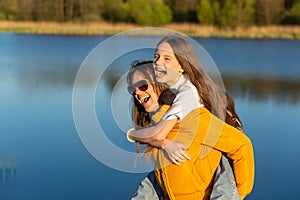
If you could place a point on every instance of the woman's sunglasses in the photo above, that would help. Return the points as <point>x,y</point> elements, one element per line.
<point>141,85</point>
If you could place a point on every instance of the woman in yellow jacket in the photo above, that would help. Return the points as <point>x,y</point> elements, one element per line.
<point>193,125</point>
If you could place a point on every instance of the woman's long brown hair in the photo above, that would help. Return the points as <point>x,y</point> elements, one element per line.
<point>140,117</point>
<point>215,99</point>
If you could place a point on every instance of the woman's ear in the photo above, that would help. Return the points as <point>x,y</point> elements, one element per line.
<point>181,70</point>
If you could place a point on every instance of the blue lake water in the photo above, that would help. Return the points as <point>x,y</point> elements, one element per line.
<point>42,155</point>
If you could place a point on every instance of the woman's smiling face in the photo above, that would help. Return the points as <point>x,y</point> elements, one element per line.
<point>147,98</point>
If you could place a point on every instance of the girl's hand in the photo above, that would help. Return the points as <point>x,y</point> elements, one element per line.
<point>175,151</point>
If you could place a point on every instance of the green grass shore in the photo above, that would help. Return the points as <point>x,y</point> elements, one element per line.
<point>103,28</point>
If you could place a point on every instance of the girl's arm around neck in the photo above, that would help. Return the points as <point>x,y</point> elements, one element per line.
<point>153,133</point>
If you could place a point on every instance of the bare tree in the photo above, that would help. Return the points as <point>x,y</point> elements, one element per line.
<point>269,11</point>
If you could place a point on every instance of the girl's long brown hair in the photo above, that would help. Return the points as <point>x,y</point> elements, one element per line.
<point>215,99</point>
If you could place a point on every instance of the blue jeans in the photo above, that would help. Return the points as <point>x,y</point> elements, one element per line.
<point>224,186</point>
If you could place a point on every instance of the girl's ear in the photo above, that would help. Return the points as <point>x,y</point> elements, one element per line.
<point>181,70</point>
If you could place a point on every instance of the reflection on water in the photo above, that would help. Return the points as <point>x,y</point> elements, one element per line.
<point>258,89</point>
<point>8,178</point>
<point>38,79</point>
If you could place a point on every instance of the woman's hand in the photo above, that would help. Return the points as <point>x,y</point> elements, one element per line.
<point>175,151</point>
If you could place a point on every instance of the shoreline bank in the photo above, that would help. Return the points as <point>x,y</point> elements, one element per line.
<point>195,30</point>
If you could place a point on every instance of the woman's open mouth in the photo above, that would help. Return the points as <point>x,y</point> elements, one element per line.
<point>144,99</point>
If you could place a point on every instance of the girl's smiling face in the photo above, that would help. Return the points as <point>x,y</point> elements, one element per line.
<point>147,98</point>
<point>167,68</point>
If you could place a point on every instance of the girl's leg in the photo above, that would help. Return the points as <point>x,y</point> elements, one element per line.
<point>149,189</point>
<point>224,186</point>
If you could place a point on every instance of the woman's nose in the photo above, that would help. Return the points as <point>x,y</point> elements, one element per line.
<point>138,94</point>
<point>137,91</point>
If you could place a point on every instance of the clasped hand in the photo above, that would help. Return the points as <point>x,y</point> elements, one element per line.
<point>176,151</point>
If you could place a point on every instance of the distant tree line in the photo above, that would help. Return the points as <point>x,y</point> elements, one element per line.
<point>222,13</point>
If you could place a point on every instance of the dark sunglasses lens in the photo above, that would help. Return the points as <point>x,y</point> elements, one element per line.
<point>143,87</point>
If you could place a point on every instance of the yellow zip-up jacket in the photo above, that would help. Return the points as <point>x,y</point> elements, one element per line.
<point>207,137</point>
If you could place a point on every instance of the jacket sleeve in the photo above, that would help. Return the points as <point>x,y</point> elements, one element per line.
<point>238,147</point>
